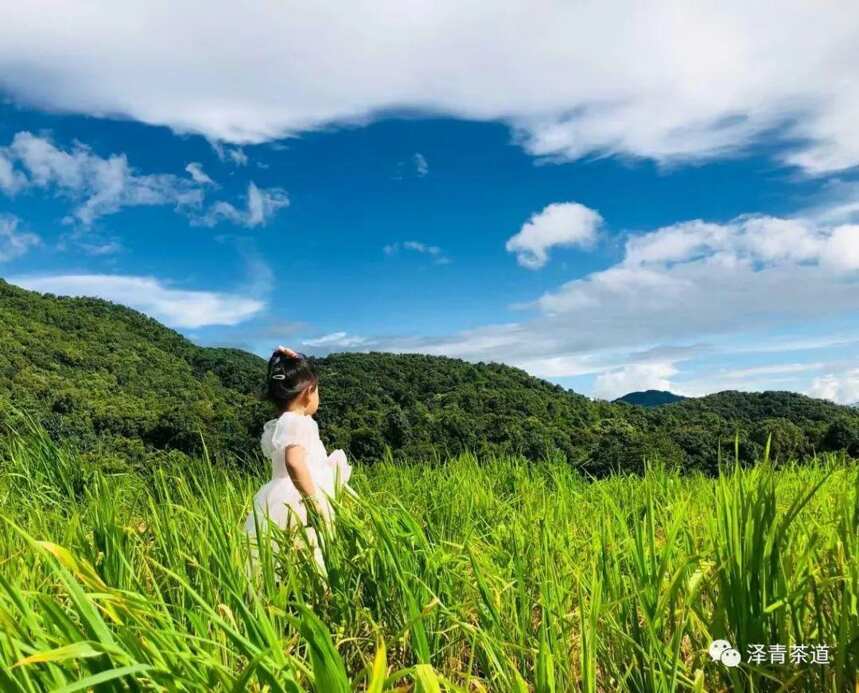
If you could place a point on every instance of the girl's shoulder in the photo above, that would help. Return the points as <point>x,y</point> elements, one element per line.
<point>289,428</point>
<point>292,418</point>
<point>298,424</point>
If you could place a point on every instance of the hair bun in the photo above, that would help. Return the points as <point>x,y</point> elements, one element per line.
<point>287,353</point>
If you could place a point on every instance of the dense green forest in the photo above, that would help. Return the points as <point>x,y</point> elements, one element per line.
<point>125,389</point>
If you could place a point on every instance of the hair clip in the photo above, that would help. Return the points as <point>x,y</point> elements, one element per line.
<point>278,376</point>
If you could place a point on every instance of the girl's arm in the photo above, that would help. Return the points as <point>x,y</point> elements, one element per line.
<point>299,472</point>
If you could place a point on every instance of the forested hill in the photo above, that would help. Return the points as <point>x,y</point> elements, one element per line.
<point>106,377</point>
<point>128,390</point>
<point>650,398</point>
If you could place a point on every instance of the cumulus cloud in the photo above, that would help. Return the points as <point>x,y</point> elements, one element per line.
<point>701,276</point>
<point>13,242</point>
<point>11,181</point>
<point>174,307</point>
<point>839,387</point>
<point>558,224</point>
<point>261,204</point>
<point>668,81</point>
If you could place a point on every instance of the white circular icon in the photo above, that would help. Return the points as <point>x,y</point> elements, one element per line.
<point>717,647</point>
<point>730,657</point>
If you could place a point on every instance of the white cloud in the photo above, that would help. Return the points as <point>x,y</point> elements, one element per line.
<point>761,239</point>
<point>11,181</point>
<point>841,250</point>
<point>100,185</point>
<point>667,81</point>
<point>839,387</point>
<point>261,204</point>
<point>264,203</point>
<point>198,174</point>
<point>558,224</point>
<point>632,378</point>
<point>232,155</point>
<point>774,376</point>
<point>97,249</point>
<point>734,282</point>
<point>14,243</point>
<point>421,165</point>
<point>783,344</point>
<point>174,307</point>
<point>433,251</point>
<point>335,340</point>
<point>705,275</point>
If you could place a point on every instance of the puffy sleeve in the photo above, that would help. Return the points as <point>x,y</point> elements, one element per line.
<point>266,441</point>
<point>292,429</point>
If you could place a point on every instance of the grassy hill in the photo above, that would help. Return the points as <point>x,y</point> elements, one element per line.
<point>126,389</point>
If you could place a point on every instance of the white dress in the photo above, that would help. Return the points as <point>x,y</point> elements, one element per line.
<point>279,500</point>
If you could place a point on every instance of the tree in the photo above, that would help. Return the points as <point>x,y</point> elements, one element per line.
<point>842,434</point>
<point>787,441</point>
<point>367,445</point>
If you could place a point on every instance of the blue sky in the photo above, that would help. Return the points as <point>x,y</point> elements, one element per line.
<point>699,241</point>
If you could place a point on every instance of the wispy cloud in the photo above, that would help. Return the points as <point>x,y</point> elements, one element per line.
<point>100,186</point>
<point>335,340</point>
<point>421,165</point>
<point>261,204</point>
<point>100,249</point>
<point>231,155</point>
<point>14,242</point>
<point>195,170</point>
<point>416,166</point>
<point>433,251</point>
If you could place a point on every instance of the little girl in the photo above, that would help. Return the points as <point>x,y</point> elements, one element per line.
<point>301,470</point>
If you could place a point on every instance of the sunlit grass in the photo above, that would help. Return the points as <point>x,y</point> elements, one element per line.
<point>499,575</point>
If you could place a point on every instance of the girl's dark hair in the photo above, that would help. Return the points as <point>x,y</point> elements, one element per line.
<point>288,377</point>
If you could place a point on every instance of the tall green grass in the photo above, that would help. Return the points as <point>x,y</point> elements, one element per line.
<point>491,576</point>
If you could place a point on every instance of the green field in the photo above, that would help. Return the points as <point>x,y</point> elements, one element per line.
<point>501,575</point>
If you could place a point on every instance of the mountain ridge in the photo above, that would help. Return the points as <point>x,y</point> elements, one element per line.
<point>128,390</point>
<point>650,398</point>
